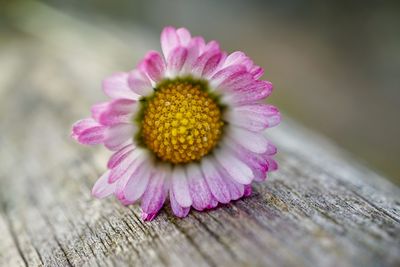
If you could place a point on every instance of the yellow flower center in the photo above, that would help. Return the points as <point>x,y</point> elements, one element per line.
<point>181,121</point>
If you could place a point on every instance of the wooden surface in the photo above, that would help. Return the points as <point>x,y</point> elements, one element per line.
<point>321,208</point>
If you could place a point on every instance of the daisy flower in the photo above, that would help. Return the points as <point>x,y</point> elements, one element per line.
<point>187,126</point>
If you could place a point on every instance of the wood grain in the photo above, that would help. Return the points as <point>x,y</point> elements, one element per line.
<point>321,208</point>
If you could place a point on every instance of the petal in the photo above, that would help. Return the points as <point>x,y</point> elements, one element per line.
<point>127,165</point>
<point>139,83</point>
<point>227,74</point>
<point>255,142</point>
<point>124,201</point>
<point>137,183</point>
<point>175,61</point>
<point>194,48</point>
<point>249,95</point>
<point>272,165</point>
<point>259,163</point>
<point>238,81</point>
<point>198,188</point>
<point>260,176</point>
<point>211,65</point>
<point>177,209</point>
<point>247,190</point>
<point>183,36</point>
<point>271,149</point>
<point>82,125</point>
<point>92,136</point>
<point>154,196</point>
<point>213,204</point>
<point>255,117</point>
<point>169,40</point>
<point>116,86</point>
<point>199,42</point>
<point>209,57</point>
<point>236,58</point>
<point>97,109</point>
<point>240,58</point>
<point>180,187</point>
<point>133,170</point>
<point>153,65</point>
<point>119,135</point>
<point>102,188</point>
<point>238,170</point>
<point>215,181</point>
<point>119,156</point>
<point>119,111</point>
<point>257,72</point>
<point>236,189</point>
<point>212,45</point>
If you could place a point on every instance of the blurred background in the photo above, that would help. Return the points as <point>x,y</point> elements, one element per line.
<point>335,64</point>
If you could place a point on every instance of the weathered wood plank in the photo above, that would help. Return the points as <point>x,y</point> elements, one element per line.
<point>321,208</point>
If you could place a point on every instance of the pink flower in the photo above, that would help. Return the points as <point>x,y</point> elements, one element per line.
<point>187,125</point>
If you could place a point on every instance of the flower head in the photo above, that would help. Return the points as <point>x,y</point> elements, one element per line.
<point>187,126</point>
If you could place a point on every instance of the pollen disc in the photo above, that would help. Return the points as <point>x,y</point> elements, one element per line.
<point>181,122</point>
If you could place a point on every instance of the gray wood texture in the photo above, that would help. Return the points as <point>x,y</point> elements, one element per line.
<point>321,208</point>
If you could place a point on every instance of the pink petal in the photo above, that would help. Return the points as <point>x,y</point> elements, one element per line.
<point>177,209</point>
<point>119,135</point>
<point>239,58</point>
<point>215,181</point>
<point>169,40</point>
<point>271,150</point>
<point>153,65</point>
<point>194,47</point>
<point>124,201</point>
<point>212,45</point>
<point>180,187</point>
<point>247,190</point>
<point>272,165</point>
<point>97,109</point>
<point>254,142</point>
<point>238,81</point>
<point>259,163</point>
<point>139,83</point>
<point>209,58</point>
<point>137,183</point>
<point>119,111</point>
<point>213,203</point>
<point>255,117</point>
<point>257,72</point>
<point>116,86</point>
<point>183,36</point>
<point>199,42</point>
<point>250,95</point>
<point>226,74</point>
<point>236,189</point>
<point>238,170</point>
<point>92,136</point>
<point>119,156</point>
<point>154,196</point>
<point>176,59</point>
<point>102,188</point>
<point>205,53</point>
<point>259,175</point>
<point>211,65</point>
<point>198,188</point>
<point>82,125</point>
<point>138,166</point>
<point>127,166</point>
